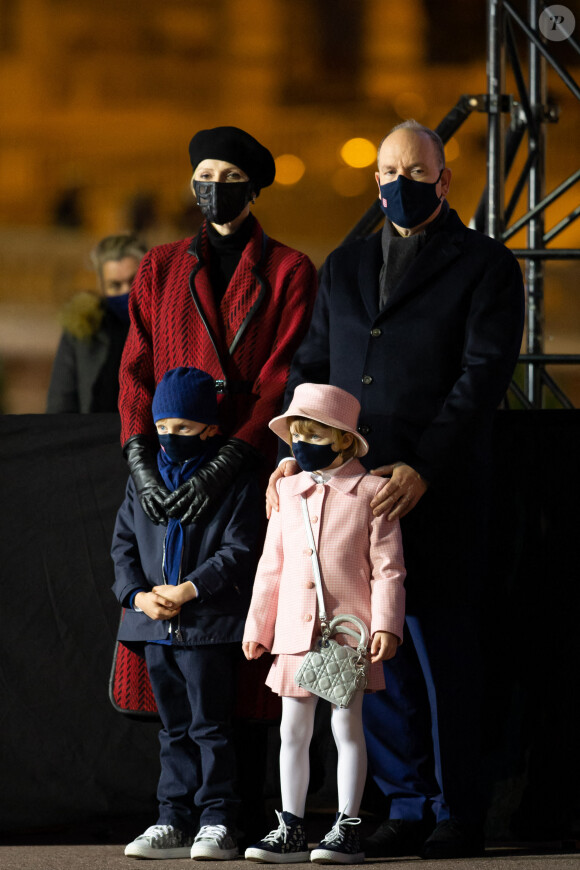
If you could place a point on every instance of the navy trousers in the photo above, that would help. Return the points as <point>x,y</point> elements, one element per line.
<point>195,690</point>
<point>423,732</point>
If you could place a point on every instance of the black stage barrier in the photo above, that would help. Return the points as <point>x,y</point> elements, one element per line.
<point>67,756</point>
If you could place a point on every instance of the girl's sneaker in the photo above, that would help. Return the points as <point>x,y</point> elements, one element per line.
<point>341,845</point>
<point>160,841</point>
<point>286,845</point>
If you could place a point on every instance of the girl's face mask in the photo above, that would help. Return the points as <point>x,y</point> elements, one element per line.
<point>313,457</point>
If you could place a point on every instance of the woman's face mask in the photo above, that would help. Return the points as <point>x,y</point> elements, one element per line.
<point>222,201</point>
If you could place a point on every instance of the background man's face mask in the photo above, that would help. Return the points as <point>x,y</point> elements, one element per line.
<point>220,201</point>
<point>408,203</point>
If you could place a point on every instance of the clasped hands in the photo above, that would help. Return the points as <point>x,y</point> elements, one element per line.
<point>165,602</point>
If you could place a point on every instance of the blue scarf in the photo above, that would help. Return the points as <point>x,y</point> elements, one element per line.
<point>174,474</point>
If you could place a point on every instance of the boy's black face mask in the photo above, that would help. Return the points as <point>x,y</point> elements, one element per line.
<point>222,201</point>
<point>180,448</point>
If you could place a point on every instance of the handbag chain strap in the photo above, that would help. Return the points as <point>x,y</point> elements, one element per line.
<point>315,568</point>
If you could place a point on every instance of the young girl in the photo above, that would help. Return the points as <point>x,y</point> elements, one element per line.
<point>361,564</point>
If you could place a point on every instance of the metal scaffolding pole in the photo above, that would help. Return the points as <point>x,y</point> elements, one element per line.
<point>495,90</point>
<point>534,269</point>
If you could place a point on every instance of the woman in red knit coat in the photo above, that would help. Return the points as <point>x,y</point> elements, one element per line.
<point>231,301</point>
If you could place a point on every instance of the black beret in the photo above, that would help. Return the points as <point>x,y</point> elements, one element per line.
<point>234,146</point>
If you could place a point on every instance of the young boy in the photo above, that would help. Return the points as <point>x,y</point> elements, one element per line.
<point>187,591</point>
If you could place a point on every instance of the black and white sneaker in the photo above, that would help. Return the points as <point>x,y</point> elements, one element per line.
<point>162,842</point>
<point>214,843</point>
<point>341,845</point>
<point>285,845</point>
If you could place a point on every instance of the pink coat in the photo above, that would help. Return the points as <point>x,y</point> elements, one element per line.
<point>361,562</point>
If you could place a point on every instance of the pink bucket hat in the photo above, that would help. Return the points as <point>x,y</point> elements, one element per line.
<point>328,405</point>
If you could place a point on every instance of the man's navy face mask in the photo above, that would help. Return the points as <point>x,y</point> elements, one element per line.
<point>408,203</point>
<point>221,201</point>
<point>313,457</point>
<point>119,306</point>
<point>180,448</point>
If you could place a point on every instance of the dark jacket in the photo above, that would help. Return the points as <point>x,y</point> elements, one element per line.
<point>429,369</point>
<point>85,374</point>
<point>219,555</point>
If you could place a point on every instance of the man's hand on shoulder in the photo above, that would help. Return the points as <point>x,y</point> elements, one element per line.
<point>401,492</point>
<point>285,469</point>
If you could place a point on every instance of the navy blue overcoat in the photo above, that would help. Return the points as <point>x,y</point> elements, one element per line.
<point>430,370</point>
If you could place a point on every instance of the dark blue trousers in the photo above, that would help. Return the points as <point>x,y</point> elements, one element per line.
<point>195,690</point>
<point>423,732</point>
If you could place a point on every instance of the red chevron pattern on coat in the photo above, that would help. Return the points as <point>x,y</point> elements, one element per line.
<point>262,318</point>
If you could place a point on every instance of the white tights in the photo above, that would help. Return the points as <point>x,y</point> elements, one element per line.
<point>296,732</point>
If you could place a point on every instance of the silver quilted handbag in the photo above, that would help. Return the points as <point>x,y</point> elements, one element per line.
<point>333,671</point>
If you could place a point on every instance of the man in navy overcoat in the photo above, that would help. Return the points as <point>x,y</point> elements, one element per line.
<point>423,322</point>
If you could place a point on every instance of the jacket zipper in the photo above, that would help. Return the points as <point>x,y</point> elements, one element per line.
<point>173,630</point>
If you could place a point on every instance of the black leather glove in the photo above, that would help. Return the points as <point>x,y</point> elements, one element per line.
<point>141,458</point>
<point>194,497</point>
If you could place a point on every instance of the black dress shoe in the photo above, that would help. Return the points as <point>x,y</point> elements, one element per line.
<point>454,839</point>
<point>397,838</point>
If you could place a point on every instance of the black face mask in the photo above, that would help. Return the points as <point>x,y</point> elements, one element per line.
<point>180,448</point>
<point>313,457</point>
<point>221,201</point>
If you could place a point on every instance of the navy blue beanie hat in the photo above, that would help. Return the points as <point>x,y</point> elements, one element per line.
<point>234,146</point>
<point>188,393</point>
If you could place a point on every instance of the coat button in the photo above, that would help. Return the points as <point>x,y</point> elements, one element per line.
<point>308,618</point>
<point>367,379</point>
<point>307,552</point>
<point>319,488</point>
<point>376,332</point>
<point>364,430</point>
<point>309,585</point>
<point>314,519</point>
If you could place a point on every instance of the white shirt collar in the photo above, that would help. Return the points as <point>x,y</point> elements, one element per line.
<point>325,475</point>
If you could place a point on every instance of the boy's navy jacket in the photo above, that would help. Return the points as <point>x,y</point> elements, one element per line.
<point>220,554</point>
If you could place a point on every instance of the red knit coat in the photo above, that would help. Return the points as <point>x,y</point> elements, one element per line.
<point>260,322</point>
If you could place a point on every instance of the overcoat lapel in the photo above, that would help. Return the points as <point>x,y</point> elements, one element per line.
<point>241,300</point>
<point>203,297</point>
<point>244,294</point>
<point>369,270</point>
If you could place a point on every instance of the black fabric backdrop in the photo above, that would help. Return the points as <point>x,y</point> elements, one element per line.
<point>66,755</point>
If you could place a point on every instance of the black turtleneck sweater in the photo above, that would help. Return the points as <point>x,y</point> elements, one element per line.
<point>400,251</point>
<point>225,253</point>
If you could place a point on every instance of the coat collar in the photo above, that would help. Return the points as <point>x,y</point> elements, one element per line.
<point>345,479</point>
<point>242,299</point>
<point>439,251</point>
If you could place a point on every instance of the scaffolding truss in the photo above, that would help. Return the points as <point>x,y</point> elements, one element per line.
<point>529,113</point>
